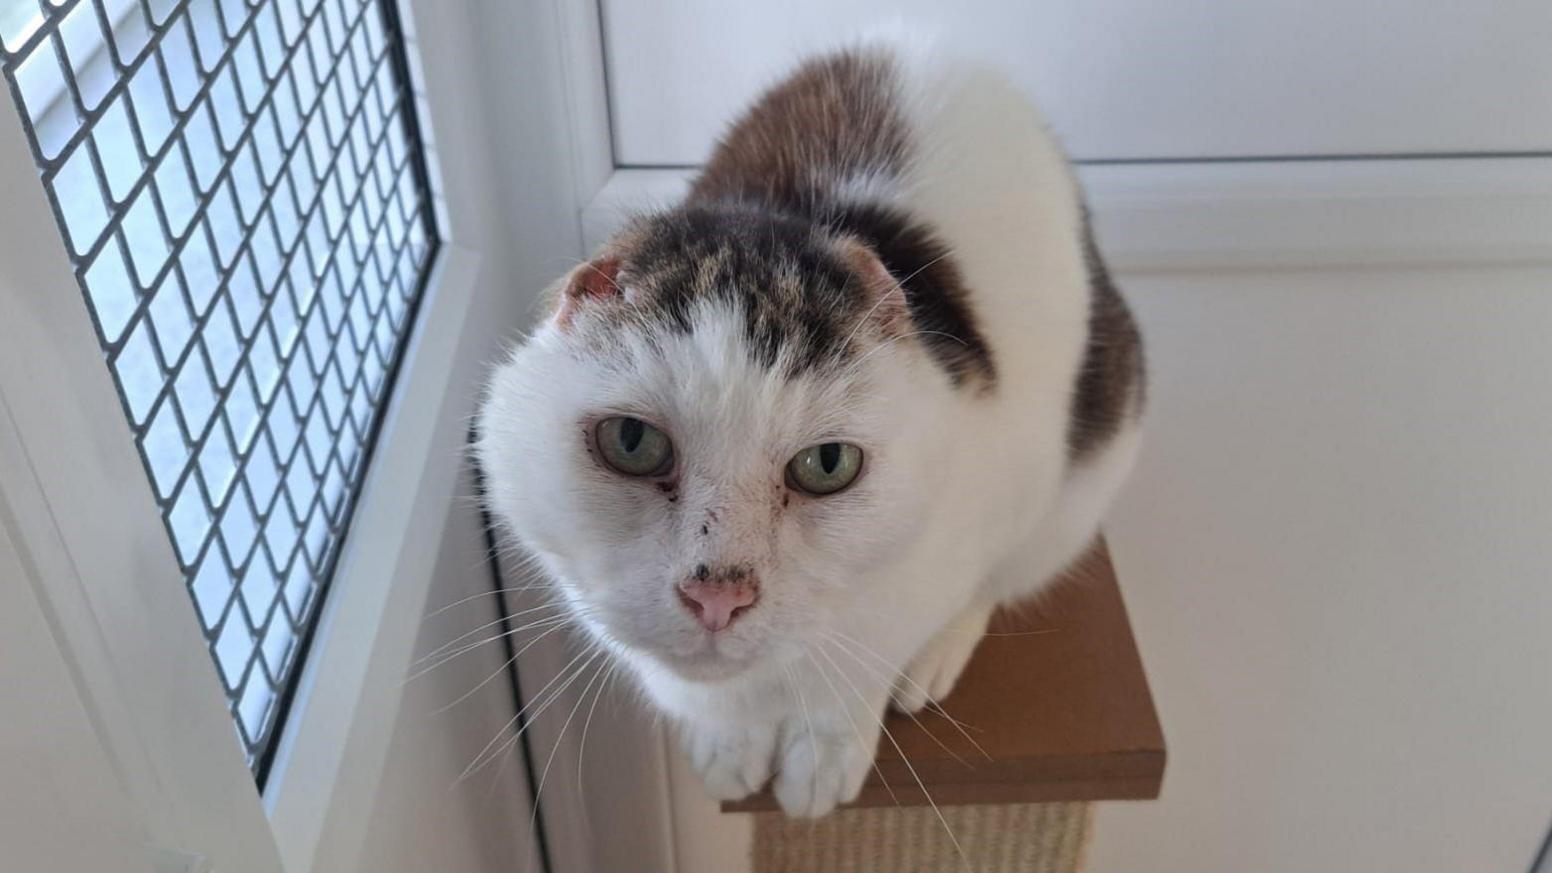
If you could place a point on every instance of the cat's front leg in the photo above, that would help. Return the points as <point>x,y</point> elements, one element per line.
<point>828,745</point>
<point>733,760</point>
<point>932,672</point>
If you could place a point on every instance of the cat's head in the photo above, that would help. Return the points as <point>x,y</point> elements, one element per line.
<point>717,438</point>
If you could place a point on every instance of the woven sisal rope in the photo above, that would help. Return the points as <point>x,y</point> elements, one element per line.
<point>1001,838</point>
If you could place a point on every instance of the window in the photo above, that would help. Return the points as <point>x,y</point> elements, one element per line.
<point>242,193</point>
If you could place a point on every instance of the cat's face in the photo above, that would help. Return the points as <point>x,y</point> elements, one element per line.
<point>647,455</point>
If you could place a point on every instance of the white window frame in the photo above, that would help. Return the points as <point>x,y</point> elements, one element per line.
<point>97,554</point>
<point>1171,216</point>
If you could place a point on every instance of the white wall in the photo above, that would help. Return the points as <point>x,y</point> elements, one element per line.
<point>1336,555</point>
<point>426,818</point>
<point>57,811</point>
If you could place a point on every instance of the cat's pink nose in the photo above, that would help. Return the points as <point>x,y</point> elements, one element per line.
<point>718,597</point>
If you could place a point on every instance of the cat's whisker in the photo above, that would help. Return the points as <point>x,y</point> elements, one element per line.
<point>924,267</point>
<point>507,751</point>
<point>857,364</point>
<point>522,562</point>
<point>846,711</point>
<point>566,671</point>
<point>908,765</point>
<point>486,626</point>
<point>937,707</point>
<point>859,609</point>
<point>501,619</point>
<point>840,646</point>
<point>458,653</point>
<point>797,690</point>
<point>587,722</point>
<point>882,676</point>
<point>506,667</point>
<point>508,546</point>
<point>492,593</point>
<point>883,298</point>
<point>1029,633</point>
<point>560,735</point>
<point>496,777</point>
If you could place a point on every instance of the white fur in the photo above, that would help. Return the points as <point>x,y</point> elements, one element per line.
<point>967,499</point>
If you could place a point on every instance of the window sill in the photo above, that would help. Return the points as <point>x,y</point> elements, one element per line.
<point>322,790</point>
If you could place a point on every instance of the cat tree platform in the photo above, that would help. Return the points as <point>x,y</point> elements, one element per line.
<point>1056,699</point>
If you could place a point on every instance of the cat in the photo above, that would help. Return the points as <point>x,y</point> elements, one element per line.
<point>784,447</point>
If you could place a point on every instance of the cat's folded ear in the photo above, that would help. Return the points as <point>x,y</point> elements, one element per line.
<point>886,304</point>
<point>591,283</point>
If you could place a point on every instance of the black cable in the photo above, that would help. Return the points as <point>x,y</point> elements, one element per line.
<point>1543,862</point>
<point>499,586</point>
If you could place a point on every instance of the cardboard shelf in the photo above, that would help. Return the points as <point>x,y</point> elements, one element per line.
<point>1055,696</point>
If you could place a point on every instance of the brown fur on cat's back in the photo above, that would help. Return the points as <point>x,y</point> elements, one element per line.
<point>836,115</point>
<point>1112,384</point>
<point>835,122</point>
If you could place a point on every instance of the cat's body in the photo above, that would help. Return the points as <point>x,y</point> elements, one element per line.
<point>887,252</point>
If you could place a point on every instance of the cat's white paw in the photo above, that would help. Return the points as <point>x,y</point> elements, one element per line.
<point>931,674</point>
<point>732,762</point>
<point>819,771</point>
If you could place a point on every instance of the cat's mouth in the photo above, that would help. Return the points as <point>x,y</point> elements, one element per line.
<point>712,658</point>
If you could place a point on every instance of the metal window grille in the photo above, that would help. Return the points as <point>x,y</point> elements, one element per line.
<point>243,195</point>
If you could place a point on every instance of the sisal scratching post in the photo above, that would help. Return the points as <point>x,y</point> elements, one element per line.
<point>995,838</point>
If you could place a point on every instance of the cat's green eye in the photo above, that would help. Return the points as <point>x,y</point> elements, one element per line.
<point>825,468</point>
<point>634,447</point>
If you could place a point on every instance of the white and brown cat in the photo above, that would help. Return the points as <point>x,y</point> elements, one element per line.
<point>784,447</point>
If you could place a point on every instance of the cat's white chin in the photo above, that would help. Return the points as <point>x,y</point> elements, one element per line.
<point>710,664</point>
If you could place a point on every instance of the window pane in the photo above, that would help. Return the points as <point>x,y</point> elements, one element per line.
<point>242,193</point>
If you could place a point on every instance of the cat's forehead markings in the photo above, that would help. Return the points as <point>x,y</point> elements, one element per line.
<point>795,303</point>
